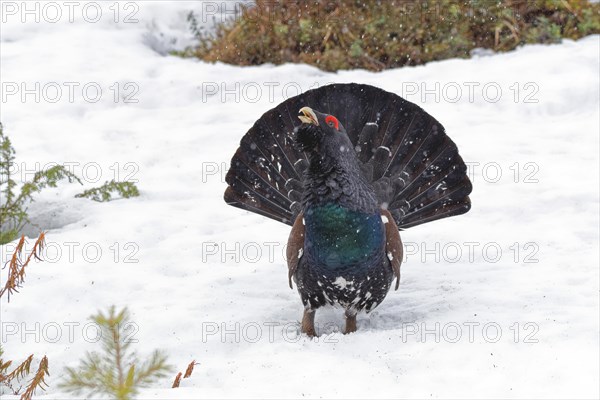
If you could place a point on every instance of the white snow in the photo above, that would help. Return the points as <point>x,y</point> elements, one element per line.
<point>499,303</point>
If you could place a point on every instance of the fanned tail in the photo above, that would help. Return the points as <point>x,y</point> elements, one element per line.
<point>414,166</point>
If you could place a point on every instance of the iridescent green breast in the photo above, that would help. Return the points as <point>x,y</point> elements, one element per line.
<point>337,237</point>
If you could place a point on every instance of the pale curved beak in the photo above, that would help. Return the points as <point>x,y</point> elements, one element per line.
<point>308,116</point>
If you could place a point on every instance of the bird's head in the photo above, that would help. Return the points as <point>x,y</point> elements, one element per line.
<point>322,134</point>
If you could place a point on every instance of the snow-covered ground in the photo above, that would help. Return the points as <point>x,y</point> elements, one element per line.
<point>502,302</point>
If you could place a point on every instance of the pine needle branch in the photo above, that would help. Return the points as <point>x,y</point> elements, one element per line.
<point>38,381</point>
<point>177,381</point>
<point>188,373</point>
<point>22,370</point>
<point>115,371</point>
<point>11,379</point>
<point>16,267</point>
<point>190,369</point>
<point>105,192</point>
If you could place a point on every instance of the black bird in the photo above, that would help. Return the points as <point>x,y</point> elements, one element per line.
<point>346,179</point>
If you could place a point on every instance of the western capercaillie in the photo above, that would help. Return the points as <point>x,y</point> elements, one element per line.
<point>362,164</point>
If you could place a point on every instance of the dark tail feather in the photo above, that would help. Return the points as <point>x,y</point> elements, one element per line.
<point>266,170</point>
<point>414,166</point>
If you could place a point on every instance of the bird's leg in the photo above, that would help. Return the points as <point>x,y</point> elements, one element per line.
<point>350,321</point>
<point>308,322</point>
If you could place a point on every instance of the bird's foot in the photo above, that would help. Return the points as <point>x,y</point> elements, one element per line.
<point>350,322</point>
<point>308,323</point>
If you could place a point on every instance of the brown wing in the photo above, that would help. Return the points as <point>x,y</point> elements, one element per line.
<point>295,246</point>
<point>393,244</point>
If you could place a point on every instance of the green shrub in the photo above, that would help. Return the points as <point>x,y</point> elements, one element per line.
<point>105,192</point>
<point>13,202</point>
<point>380,34</point>
<point>13,211</point>
<point>115,372</point>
